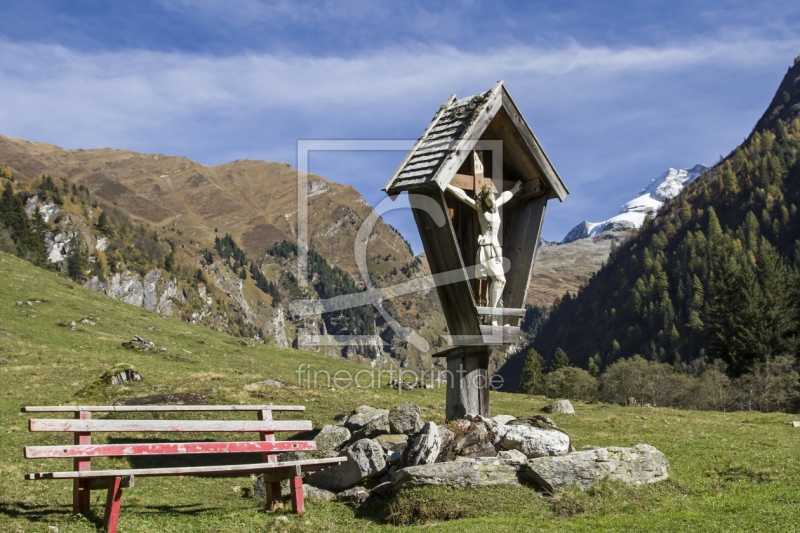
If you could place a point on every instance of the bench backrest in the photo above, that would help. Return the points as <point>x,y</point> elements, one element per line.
<point>83,426</point>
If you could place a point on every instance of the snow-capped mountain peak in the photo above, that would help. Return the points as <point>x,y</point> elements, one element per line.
<point>647,202</point>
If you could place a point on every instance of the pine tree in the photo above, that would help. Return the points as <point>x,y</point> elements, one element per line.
<point>102,223</point>
<point>29,243</point>
<point>560,360</point>
<point>532,373</point>
<point>779,315</point>
<point>714,229</point>
<point>595,364</point>
<point>77,258</point>
<point>730,182</point>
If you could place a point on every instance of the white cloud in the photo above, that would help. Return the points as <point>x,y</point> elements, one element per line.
<point>212,107</point>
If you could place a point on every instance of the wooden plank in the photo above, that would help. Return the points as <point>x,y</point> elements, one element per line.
<point>177,448</point>
<point>153,426</point>
<point>524,130</point>
<point>156,408</point>
<point>518,161</point>
<point>500,334</point>
<point>524,229</point>
<point>501,311</point>
<point>308,465</point>
<point>463,181</point>
<point>444,256</point>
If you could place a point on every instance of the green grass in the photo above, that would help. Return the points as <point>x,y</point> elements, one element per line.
<point>729,471</point>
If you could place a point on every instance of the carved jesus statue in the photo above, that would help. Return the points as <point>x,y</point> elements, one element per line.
<point>489,262</point>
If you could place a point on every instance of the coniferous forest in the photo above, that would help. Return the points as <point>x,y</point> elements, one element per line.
<point>713,278</point>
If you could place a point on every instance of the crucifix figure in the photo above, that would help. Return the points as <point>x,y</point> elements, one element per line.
<point>489,262</point>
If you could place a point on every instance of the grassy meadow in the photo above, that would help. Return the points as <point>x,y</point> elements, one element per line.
<point>729,471</point>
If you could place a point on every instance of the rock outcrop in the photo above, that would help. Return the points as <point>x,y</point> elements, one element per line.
<point>476,443</point>
<point>405,418</point>
<point>332,437</point>
<point>363,415</point>
<point>393,443</point>
<point>425,447</point>
<point>560,406</point>
<point>365,459</point>
<point>637,465</point>
<point>463,473</point>
<point>533,442</point>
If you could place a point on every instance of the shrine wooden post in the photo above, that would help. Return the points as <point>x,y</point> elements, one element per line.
<point>467,378</point>
<point>477,146</point>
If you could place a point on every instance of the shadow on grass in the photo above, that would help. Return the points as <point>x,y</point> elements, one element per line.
<point>39,513</point>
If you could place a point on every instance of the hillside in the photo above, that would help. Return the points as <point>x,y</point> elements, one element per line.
<point>175,208</point>
<point>727,470</point>
<point>561,268</point>
<point>736,224</point>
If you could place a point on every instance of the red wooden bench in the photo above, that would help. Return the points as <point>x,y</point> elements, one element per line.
<point>85,479</point>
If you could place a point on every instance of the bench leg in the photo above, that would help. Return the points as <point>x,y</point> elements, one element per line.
<point>274,498</point>
<point>112,505</point>
<point>298,505</point>
<point>81,494</point>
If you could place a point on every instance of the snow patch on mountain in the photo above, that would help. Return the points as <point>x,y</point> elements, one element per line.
<point>647,202</point>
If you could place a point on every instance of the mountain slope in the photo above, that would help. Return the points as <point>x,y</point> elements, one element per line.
<point>190,206</point>
<point>654,296</point>
<point>254,201</point>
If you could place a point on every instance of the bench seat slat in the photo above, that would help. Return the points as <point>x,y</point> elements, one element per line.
<point>165,448</point>
<point>151,426</point>
<point>308,465</point>
<point>157,408</point>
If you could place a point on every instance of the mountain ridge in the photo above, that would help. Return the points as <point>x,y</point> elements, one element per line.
<point>647,203</point>
<point>657,295</point>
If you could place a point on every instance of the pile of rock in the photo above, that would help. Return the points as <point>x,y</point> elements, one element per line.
<point>391,449</point>
<point>138,344</point>
<point>405,385</point>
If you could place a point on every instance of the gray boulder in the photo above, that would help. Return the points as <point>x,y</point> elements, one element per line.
<point>503,419</point>
<point>312,493</point>
<point>405,418</point>
<point>513,456</point>
<point>637,465</point>
<point>425,448</point>
<point>365,459</point>
<point>446,435</point>
<point>560,406</point>
<point>533,442</point>
<point>374,428</point>
<point>393,443</point>
<point>356,494</point>
<point>363,415</point>
<point>331,437</point>
<point>476,443</point>
<point>463,473</point>
<point>536,421</point>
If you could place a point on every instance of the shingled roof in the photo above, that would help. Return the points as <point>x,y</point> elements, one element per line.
<point>446,142</point>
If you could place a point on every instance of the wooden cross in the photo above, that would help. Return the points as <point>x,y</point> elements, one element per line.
<point>476,180</point>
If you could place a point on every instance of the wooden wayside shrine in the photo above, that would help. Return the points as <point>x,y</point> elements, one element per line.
<point>476,147</point>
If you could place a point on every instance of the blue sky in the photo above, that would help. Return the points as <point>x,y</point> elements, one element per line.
<point>617,92</point>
